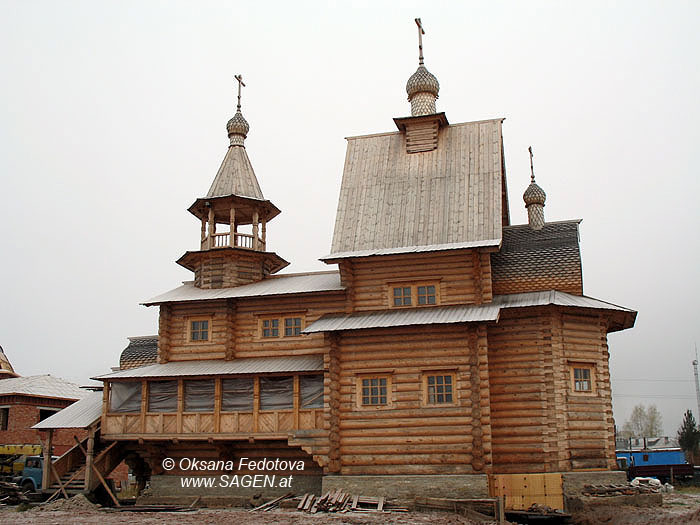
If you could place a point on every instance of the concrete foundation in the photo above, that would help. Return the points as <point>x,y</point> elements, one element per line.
<point>406,488</point>
<point>574,481</point>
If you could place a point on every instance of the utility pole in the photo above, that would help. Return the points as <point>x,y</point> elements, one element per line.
<point>697,382</point>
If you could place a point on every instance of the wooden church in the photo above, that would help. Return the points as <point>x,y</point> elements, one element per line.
<point>443,348</point>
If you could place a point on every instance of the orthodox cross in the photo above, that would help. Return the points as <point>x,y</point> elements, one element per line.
<point>421,32</point>
<point>532,170</point>
<point>240,83</point>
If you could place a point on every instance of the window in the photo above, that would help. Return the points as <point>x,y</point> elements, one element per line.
<point>47,412</point>
<point>125,397</point>
<point>4,417</point>
<point>292,326</point>
<point>237,394</point>
<point>199,330</point>
<point>281,326</point>
<point>402,296</point>
<point>582,378</point>
<point>199,395</point>
<point>374,391</point>
<point>438,388</point>
<point>426,294</point>
<point>162,396</point>
<point>271,328</point>
<point>423,294</point>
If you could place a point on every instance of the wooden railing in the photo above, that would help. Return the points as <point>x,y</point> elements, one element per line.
<point>223,240</point>
<point>264,421</point>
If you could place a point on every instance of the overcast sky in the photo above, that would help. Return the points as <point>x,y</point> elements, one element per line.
<point>113,121</point>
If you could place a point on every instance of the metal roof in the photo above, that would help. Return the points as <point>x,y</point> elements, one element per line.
<point>413,249</point>
<point>249,365</point>
<point>42,386</point>
<point>461,314</point>
<point>390,198</point>
<point>276,285</point>
<point>414,316</point>
<point>81,414</point>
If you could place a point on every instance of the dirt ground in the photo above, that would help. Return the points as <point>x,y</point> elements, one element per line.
<point>680,508</point>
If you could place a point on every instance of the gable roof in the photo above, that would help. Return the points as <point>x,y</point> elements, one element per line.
<point>393,199</point>
<point>42,386</point>
<point>273,285</point>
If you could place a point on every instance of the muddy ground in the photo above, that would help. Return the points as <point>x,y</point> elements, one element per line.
<point>680,508</point>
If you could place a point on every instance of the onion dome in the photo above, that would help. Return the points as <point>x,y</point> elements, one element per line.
<point>422,81</point>
<point>237,129</point>
<point>534,194</point>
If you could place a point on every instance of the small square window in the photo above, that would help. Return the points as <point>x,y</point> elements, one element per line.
<point>402,296</point>
<point>374,391</point>
<point>439,389</point>
<point>292,326</point>
<point>582,380</point>
<point>426,294</point>
<point>199,330</point>
<point>271,328</point>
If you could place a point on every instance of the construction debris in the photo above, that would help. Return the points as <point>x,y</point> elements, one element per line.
<point>11,494</point>
<point>339,501</point>
<point>272,504</point>
<point>619,490</point>
<point>78,502</point>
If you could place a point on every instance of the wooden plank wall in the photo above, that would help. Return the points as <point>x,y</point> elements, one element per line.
<point>464,277</point>
<point>408,437</point>
<point>538,423</point>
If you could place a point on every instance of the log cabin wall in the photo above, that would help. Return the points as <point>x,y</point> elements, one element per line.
<point>408,436</point>
<point>220,270</point>
<point>235,327</point>
<point>462,277</point>
<point>538,422</point>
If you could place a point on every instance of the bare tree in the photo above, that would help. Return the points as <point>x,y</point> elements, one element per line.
<point>643,422</point>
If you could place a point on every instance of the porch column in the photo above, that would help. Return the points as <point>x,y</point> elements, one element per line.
<point>232,234</point>
<point>264,235</point>
<point>203,236</point>
<point>48,452</point>
<point>255,230</point>
<point>212,229</point>
<point>89,459</point>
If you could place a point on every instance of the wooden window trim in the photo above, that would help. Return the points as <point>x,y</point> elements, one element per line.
<point>572,381</point>
<point>413,285</point>
<point>389,391</point>
<point>281,325</point>
<point>210,325</point>
<point>424,382</point>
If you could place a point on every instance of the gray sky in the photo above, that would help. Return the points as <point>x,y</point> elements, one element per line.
<point>113,122</point>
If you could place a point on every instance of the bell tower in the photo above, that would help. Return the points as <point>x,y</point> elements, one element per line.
<point>234,215</point>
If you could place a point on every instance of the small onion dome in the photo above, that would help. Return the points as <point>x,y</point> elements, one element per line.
<point>534,195</point>
<point>422,81</point>
<point>238,125</point>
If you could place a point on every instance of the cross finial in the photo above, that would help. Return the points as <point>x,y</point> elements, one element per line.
<point>240,83</point>
<point>421,32</point>
<point>532,170</point>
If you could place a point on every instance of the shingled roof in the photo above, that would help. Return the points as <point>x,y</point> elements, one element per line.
<point>531,260</point>
<point>390,198</point>
<point>142,351</point>
<point>42,386</point>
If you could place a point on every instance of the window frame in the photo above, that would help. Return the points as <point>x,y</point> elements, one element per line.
<point>573,366</point>
<point>281,325</point>
<point>426,374</point>
<point>414,297</point>
<point>190,331</point>
<point>374,375</point>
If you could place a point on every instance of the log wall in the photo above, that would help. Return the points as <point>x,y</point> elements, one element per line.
<point>539,424</point>
<point>409,437</point>
<point>463,277</point>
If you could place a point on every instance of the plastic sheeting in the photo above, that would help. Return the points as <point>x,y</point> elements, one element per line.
<point>162,396</point>
<point>237,394</point>
<point>199,395</point>
<point>125,397</point>
<point>311,389</point>
<point>276,393</point>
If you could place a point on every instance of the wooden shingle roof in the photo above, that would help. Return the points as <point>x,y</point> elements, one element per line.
<point>142,350</point>
<point>393,199</point>
<point>236,176</point>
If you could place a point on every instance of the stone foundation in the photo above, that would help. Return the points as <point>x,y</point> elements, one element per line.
<point>406,488</point>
